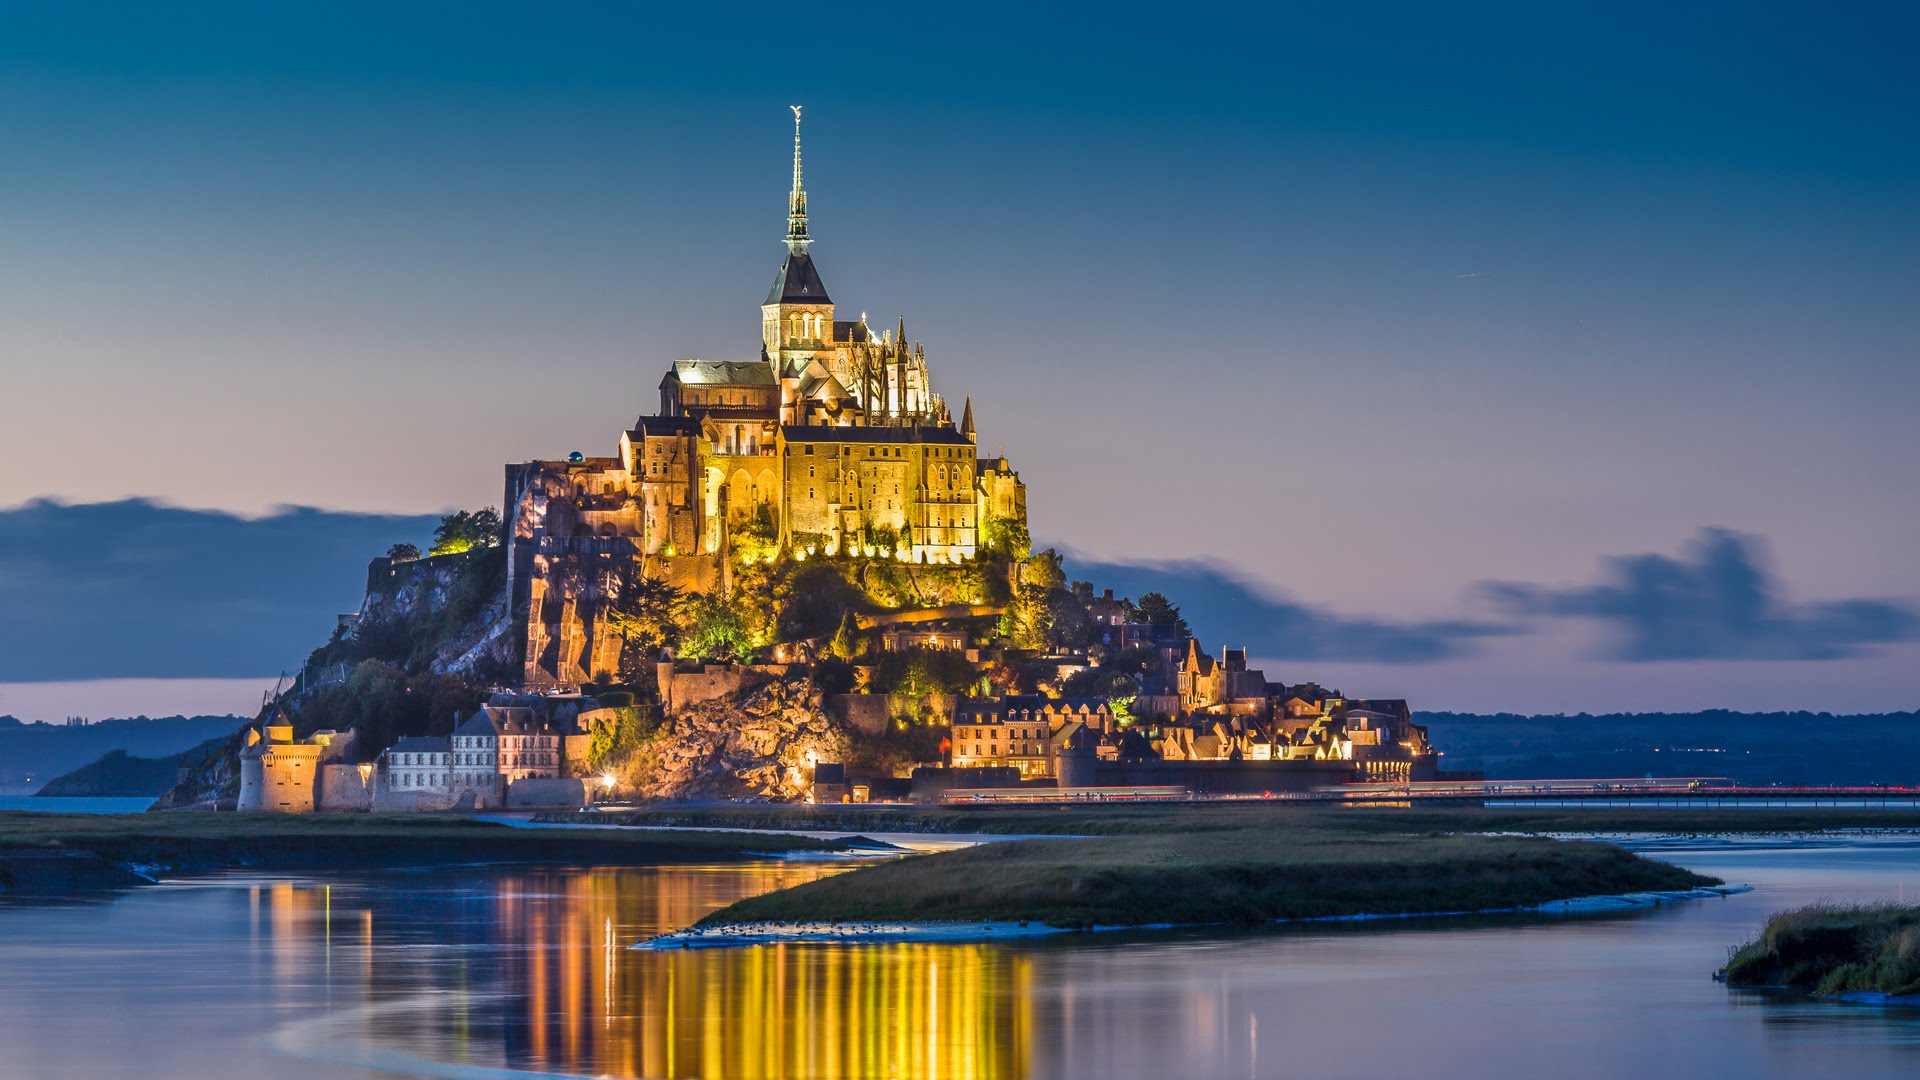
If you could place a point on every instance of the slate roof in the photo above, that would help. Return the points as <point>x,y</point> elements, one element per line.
<point>995,710</point>
<point>421,744</point>
<point>819,433</point>
<point>1197,658</point>
<point>798,282</point>
<point>663,425</point>
<point>723,372</point>
<point>498,720</point>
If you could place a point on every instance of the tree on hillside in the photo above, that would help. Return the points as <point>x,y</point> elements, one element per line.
<point>1155,609</point>
<point>920,670</point>
<point>1006,538</point>
<point>715,631</point>
<point>464,531</point>
<point>1045,569</point>
<point>756,538</point>
<point>845,644</point>
<point>647,614</point>
<point>403,553</point>
<point>1118,690</point>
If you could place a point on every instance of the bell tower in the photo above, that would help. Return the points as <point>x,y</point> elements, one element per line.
<point>796,321</point>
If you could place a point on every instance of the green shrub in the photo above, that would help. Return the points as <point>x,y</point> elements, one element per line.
<point>1833,949</point>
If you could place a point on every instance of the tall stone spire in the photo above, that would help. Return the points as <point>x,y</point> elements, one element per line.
<point>966,422</point>
<point>798,282</point>
<point>797,240</point>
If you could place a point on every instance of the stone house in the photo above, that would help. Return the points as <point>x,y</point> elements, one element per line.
<point>1223,686</point>
<point>1022,731</point>
<point>417,763</point>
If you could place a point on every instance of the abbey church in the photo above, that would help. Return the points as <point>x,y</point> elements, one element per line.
<point>833,441</point>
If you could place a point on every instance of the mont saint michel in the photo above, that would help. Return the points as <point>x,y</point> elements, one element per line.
<point>976,544</point>
<point>799,579</point>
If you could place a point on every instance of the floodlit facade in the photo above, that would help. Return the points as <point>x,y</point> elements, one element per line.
<point>831,441</point>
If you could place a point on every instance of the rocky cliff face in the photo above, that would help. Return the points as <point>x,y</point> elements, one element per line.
<point>761,743</point>
<point>452,610</point>
<point>209,780</point>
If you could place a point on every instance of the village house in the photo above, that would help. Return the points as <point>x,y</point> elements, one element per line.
<point>1024,731</point>
<point>1227,685</point>
<point>418,763</point>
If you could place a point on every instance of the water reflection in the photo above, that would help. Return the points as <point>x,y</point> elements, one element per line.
<point>528,969</point>
<point>506,971</point>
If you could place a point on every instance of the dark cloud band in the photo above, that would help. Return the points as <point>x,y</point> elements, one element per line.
<point>136,589</point>
<point>1717,601</point>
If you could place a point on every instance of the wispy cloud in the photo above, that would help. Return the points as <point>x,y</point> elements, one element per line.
<point>1715,601</point>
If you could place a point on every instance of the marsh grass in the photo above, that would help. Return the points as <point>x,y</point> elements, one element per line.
<point>1233,876</point>
<point>1833,949</point>
<point>198,840</point>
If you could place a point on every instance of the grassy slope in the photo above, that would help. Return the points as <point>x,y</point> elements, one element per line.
<point>1218,876</point>
<point>1834,949</point>
<point>1114,820</point>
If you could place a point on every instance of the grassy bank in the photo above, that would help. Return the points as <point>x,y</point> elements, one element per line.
<point>1833,949</point>
<point>186,843</point>
<point>1113,820</point>
<point>1217,876</point>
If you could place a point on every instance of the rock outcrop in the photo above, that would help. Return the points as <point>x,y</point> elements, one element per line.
<point>763,743</point>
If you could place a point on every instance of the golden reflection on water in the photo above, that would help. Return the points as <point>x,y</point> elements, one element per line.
<point>529,969</point>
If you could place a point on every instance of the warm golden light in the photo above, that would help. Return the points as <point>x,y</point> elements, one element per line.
<point>584,1004</point>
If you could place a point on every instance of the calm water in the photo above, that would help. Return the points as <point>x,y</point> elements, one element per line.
<point>483,972</point>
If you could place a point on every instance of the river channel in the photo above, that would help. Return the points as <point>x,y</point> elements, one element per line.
<point>510,971</point>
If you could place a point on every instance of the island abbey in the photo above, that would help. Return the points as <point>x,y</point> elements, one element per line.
<point>832,440</point>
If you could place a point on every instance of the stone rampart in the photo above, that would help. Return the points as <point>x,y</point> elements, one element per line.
<point>865,713</point>
<point>342,787</point>
<point>684,689</point>
<point>565,791</point>
<point>386,800</point>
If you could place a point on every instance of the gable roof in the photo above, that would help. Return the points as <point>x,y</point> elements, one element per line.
<point>813,433</point>
<point>662,426</point>
<point>722,372</point>
<point>421,744</point>
<point>798,282</point>
<point>1197,658</point>
<point>500,720</point>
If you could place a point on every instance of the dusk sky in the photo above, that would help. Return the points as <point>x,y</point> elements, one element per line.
<point>1417,320</point>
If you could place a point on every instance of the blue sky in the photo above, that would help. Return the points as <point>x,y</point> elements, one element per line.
<point>1361,306</point>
